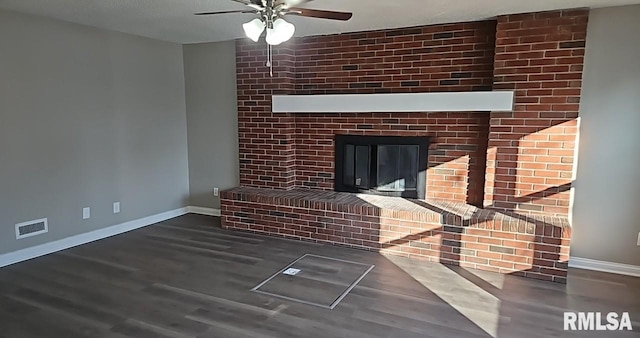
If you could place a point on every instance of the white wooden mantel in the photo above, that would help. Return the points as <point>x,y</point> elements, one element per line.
<point>499,101</point>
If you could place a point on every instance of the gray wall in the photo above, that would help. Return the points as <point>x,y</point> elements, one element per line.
<point>606,213</point>
<point>212,115</point>
<point>87,117</point>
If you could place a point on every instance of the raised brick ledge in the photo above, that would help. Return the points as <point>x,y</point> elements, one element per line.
<point>446,232</point>
<point>432,211</point>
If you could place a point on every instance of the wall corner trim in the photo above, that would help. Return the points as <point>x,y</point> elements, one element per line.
<point>603,266</point>
<point>69,242</point>
<point>204,211</point>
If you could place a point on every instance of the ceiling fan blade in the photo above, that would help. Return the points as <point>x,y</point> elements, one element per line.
<point>257,4</point>
<point>292,3</point>
<point>317,13</point>
<point>226,12</point>
<point>248,2</point>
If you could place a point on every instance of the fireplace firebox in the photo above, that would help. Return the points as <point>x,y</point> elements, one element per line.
<point>382,165</point>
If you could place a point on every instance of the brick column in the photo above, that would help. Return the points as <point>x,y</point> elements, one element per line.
<point>531,150</point>
<point>266,140</point>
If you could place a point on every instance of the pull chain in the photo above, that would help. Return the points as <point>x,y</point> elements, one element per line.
<point>270,59</point>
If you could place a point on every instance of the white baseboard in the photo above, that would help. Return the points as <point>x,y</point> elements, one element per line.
<point>69,242</point>
<point>595,265</point>
<point>204,211</point>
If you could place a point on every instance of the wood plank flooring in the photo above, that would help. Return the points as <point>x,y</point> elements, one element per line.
<point>186,277</point>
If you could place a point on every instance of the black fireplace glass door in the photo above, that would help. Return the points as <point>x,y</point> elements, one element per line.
<point>382,165</point>
<point>357,163</point>
<point>349,165</point>
<point>397,167</point>
<point>362,166</point>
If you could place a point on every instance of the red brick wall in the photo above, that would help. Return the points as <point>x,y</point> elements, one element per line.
<point>456,57</point>
<point>529,160</point>
<point>452,57</point>
<point>531,150</point>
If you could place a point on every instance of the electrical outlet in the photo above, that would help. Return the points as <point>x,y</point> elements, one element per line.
<point>216,192</point>
<point>116,207</point>
<point>86,213</point>
<point>638,238</point>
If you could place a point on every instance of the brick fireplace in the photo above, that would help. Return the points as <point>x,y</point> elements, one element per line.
<point>497,183</point>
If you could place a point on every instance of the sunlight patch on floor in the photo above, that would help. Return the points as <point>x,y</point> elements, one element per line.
<point>496,280</point>
<point>472,301</point>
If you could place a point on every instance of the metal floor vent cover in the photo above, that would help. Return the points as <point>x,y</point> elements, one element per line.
<point>291,271</point>
<point>315,280</point>
<point>31,228</point>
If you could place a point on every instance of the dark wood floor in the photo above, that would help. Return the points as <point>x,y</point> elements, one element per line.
<point>185,277</point>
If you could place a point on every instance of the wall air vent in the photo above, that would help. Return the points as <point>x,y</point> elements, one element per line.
<point>31,228</point>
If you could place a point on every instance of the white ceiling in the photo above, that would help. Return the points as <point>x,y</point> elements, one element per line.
<point>173,20</point>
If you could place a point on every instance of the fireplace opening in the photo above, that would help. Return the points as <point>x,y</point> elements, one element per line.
<point>382,165</point>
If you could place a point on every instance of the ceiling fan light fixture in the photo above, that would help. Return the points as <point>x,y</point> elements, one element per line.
<point>272,37</point>
<point>270,14</point>
<point>253,29</point>
<point>282,31</point>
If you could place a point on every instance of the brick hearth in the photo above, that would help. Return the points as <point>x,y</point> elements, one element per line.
<point>446,232</point>
<point>518,166</point>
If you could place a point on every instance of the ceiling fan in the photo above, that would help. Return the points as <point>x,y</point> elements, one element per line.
<point>271,15</point>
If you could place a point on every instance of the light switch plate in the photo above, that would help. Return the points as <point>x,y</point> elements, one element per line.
<point>116,207</point>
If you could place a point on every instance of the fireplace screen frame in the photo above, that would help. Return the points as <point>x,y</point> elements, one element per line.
<point>341,141</point>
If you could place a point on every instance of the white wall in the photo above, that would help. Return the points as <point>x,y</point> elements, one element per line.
<point>606,213</point>
<point>212,113</point>
<point>87,117</point>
